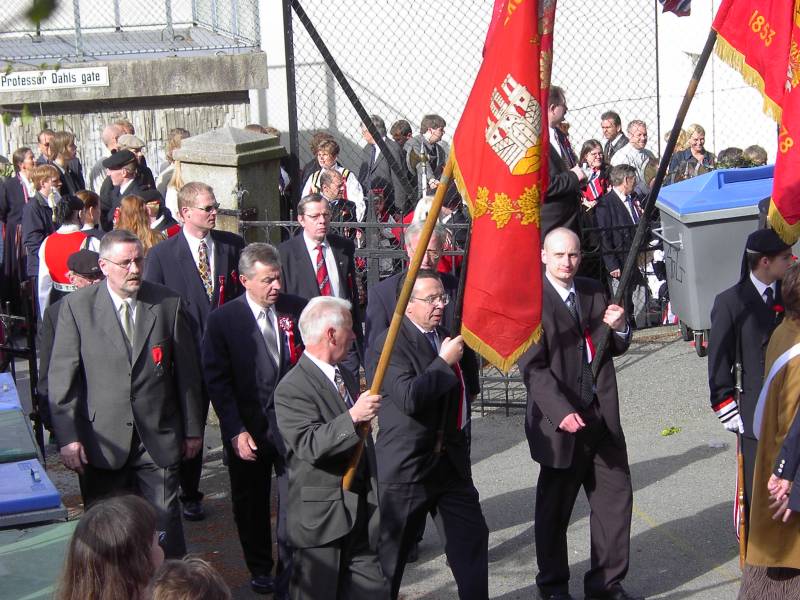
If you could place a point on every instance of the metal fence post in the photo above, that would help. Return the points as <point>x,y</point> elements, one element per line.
<point>76,12</point>
<point>117,17</point>
<point>168,11</point>
<point>291,93</point>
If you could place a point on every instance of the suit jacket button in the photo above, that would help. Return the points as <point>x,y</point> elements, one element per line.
<point>129,424</point>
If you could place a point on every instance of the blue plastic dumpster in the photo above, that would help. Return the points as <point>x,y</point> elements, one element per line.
<point>705,222</point>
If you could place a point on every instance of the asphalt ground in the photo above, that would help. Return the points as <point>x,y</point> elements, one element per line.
<point>682,538</point>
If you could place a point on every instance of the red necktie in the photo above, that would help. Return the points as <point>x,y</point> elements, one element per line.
<point>323,281</point>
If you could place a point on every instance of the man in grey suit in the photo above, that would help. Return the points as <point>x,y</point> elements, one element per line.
<point>334,531</point>
<point>124,386</point>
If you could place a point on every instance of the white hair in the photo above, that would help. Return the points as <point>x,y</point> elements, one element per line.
<point>320,314</point>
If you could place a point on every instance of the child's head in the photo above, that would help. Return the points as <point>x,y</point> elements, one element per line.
<point>189,579</point>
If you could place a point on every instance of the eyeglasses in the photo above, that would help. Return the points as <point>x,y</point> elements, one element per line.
<point>127,264</point>
<point>208,209</point>
<point>443,299</point>
<point>324,215</point>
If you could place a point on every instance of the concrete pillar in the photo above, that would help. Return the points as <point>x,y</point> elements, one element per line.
<point>243,168</point>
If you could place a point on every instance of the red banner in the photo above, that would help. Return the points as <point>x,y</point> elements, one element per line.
<point>500,154</point>
<point>761,39</point>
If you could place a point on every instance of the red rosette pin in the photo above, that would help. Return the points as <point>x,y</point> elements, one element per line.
<point>287,326</point>
<point>157,353</point>
<point>778,308</point>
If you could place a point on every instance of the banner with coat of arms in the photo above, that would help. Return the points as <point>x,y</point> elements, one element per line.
<point>761,39</point>
<point>500,153</point>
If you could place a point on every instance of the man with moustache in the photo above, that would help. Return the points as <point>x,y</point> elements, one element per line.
<point>249,345</point>
<point>124,386</point>
<point>573,427</point>
<point>611,124</point>
<point>636,155</point>
<point>423,381</point>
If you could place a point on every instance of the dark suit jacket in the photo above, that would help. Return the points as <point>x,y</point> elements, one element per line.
<point>71,180</point>
<point>380,309</point>
<point>110,199</point>
<point>241,375</point>
<point>561,206</point>
<point>37,224</point>
<point>617,229</point>
<point>298,273</point>
<point>320,437</point>
<point>416,385</point>
<point>170,263</point>
<point>740,316</point>
<point>552,371</point>
<point>380,174</point>
<point>100,390</point>
<point>12,205</point>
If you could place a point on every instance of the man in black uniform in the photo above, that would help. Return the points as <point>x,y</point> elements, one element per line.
<point>742,321</point>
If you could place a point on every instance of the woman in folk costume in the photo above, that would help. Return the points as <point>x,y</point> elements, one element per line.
<point>773,546</point>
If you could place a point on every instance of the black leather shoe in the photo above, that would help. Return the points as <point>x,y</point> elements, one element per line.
<point>193,510</point>
<point>262,584</point>
<point>616,594</point>
<point>542,595</point>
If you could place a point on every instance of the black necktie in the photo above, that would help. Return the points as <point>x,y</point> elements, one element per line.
<point>587,380</point>
<point>431,337</point>
<point>566,151</point>
<point>769,297</point>
<point>609,151</point>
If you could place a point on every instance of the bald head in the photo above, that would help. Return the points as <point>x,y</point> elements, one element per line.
<point>110,135</point>
<point>561,254</point>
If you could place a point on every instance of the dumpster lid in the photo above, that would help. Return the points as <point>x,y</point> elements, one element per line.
<point>717,190</point>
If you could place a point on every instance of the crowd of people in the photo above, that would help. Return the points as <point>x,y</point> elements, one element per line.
<point>149,315</point>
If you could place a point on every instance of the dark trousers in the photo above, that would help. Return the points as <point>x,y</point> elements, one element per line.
<point>141,476</point>
<point>456,509</point>
<point>749,449</point>
<point>601,468</point>
<point>347,569</point>
<point>250,495</point>
<point>190,470</point>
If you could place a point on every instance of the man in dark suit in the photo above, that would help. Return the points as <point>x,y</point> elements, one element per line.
<point>375,172</point>
<point>561,207</point>
<point>383,299</point>
<point>611,124</point>
<point>573,427</point>
<point>250,343</point>
<point>200,264</point>
<point>422,382</point>
<point>742,321</point>
<point>617,213</point>
<point>122,180</point>
<point>124,386</point>
<point>319,263</point>
<point>334,531</point>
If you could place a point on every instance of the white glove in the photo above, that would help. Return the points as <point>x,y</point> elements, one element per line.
<point>734,424</point>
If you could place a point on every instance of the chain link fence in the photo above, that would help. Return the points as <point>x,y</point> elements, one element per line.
<point>83,30</point>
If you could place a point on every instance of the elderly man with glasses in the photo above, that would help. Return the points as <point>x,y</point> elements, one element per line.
<point>124,385</point>
<point>201,265</point>
<point>422,448</point>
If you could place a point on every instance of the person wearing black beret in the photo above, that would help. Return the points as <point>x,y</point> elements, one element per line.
<point>742,321</point>
<point>123,180</point>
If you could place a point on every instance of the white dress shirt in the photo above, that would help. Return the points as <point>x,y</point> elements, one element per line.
<point>628,207</point>
<point>118,300</point>
<point>194,247</point>
<point>271,315</point>
<point>761,287</point>
<point>330,263</point>
<point>565,292</point>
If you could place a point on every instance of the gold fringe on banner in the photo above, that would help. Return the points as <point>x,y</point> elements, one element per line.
<point>788,233</point>
<point>490,354</point>
<point>736,60</point>
<point>460,185</point>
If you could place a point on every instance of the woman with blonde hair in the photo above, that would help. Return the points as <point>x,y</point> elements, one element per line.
<point>694,160</point>
<point>134,217</point>
<point>64,152</point>
<point>113,553</point>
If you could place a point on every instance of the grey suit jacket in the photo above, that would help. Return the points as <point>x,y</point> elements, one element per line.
<point>99,391</point>
<point>320,437</point>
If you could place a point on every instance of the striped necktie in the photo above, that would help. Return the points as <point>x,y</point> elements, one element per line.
<point>323,281</point>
